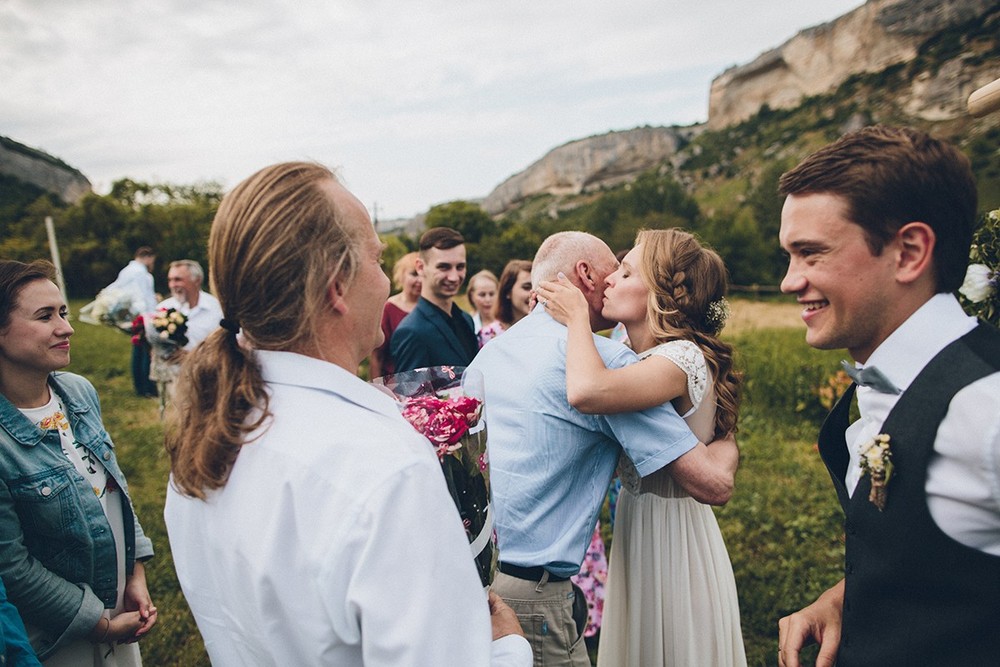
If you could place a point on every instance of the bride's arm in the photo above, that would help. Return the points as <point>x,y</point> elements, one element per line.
<point>590,386</point>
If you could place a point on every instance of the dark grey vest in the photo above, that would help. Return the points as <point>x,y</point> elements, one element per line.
<point>915,596</point>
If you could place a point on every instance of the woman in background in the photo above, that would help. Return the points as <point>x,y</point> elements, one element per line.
<point>71,548</point>
<point>482,293</point>
<point>407,280</point>
<point>513,299</point>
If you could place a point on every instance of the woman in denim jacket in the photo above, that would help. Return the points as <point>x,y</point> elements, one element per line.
<point>71,549</point>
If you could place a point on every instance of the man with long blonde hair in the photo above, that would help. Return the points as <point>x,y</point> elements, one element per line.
<point>309,523</point>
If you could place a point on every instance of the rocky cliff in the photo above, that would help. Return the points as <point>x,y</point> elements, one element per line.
<point>874,36</point>
<point>42,170</point>
<point>586,164</point>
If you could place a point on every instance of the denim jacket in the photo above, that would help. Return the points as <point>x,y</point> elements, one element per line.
<point>57,552</point>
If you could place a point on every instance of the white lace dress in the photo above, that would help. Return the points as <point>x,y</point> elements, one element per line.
<point>671,594</point>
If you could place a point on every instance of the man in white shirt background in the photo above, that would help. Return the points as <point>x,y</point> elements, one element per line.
<point>878,227</point>
<point>185,278</point>
<point>137,279</point>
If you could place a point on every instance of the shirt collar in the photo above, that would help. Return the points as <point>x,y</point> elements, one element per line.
<point>298,370</point>
<point>936,324</point>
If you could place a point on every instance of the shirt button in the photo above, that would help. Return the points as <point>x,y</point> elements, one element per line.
<point>46,491</point>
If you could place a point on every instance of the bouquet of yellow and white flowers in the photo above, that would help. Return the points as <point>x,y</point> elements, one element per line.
<point>979,293</point>
<point>171,327</point>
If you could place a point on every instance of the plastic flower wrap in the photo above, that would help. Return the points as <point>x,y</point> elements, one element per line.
<point>445,405</point>
<point>166,331</point>
<point>979,293</point>
<point>113,307</point>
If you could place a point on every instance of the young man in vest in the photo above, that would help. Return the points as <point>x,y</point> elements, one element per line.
<point>878,227</point>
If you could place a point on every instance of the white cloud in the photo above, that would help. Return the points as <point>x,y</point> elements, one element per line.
<point>418,102</point>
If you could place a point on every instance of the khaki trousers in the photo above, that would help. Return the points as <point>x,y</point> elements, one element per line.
<point>545,610</point>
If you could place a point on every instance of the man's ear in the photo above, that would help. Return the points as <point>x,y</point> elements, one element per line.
<point>916,242</point>
<point>335,296</point>
<point>584,273</point>
<point>418,264</point>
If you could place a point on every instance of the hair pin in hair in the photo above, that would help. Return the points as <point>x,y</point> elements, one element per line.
<point>717,314</point>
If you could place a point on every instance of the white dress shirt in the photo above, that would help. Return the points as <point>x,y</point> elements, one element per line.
<point>963,478</point>
<point>136,279</point>
<point>203,319</point>
<point>334,541</point>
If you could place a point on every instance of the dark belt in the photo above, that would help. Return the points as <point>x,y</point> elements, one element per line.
<point>528,573</point>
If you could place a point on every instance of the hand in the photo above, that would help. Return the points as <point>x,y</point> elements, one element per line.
<point>502,618</point>
<point>137,600</point>
<point>564,301</point>
<point>122,628</point>
<point>819,622</point>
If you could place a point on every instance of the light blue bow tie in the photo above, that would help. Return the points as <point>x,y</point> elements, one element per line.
<point>871,377</point>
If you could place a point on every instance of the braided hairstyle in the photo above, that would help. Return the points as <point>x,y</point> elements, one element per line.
<point>687,283</point>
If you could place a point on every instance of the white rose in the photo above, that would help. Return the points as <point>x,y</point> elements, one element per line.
<point>977,286</point>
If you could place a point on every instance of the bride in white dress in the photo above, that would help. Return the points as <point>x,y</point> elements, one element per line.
<point>671,594</point>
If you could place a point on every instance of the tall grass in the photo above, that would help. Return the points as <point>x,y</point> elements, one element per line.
<point>782,527</point>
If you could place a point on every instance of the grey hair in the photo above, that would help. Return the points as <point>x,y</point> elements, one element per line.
<point>561,252</point>
<point>193,267</point>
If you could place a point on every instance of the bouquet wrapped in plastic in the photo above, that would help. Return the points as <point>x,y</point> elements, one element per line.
<point>166,331</point>
<point>445,405</point>
<point>113,307</point>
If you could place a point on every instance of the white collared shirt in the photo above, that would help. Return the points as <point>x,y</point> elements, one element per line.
<point>963,478</point>
<point>334,541</point>
<point>136,279</point>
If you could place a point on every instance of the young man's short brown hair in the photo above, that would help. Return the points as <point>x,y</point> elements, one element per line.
<point>442,238</point>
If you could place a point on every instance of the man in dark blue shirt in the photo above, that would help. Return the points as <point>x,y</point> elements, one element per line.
<point>437,332</point>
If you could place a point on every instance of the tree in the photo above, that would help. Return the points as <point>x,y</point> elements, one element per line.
<point>469,219</point>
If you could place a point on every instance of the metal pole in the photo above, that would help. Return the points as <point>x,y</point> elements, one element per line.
<point>54,249</point>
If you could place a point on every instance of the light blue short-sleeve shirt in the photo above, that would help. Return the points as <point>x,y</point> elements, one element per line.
<point>550,465</point>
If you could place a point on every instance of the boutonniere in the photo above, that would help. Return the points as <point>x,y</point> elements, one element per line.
<point>876,462</point>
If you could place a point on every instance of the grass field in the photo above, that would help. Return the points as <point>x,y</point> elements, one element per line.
<point>782,527</point>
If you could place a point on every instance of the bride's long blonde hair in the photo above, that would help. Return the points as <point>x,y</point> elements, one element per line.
<point>687,283</point>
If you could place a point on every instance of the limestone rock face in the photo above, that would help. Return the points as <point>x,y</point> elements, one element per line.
<point>586,164</point>
<point>42,170</point>
<point>870,38</point>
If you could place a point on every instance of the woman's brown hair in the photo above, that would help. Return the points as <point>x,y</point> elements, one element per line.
<point>276,244</point>
<point>14,276</point>
<point>687,283</point>
<point>503,308</point>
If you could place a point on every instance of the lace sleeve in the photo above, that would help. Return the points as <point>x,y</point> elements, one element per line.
<point>690,359</point>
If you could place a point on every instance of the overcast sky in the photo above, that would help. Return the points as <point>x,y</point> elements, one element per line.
<point>416,103</point>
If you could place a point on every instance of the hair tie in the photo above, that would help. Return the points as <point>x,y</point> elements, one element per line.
<point>230,326</point>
